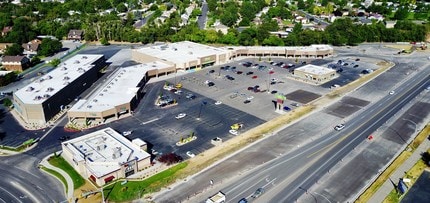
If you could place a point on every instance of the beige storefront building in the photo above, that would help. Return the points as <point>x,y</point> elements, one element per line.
<point>315,74</point>
<point>105,155</point>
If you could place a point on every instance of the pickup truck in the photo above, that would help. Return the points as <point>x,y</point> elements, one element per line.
<point>216,198</point>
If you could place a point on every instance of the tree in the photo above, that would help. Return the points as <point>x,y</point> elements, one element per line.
<point>401,13</point>
<point>170,158</point>
<point>55,62</point>
<point>49,47</point>
<point>13,50</point>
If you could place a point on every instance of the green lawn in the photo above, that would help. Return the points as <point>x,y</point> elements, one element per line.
<point>135,189</point>
<point>56,174</point>
<point>58,161</point>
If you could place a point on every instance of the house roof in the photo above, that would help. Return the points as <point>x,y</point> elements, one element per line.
<point>4,45</point>
<point>76,32</point>
<point>13,58</point>
<point>7,29</point>
<point>33,45</point>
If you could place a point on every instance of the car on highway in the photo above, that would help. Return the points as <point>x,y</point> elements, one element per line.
<point>258,193</point>
<point>127,133</point>
<point>190,154</point>
<point>181,115</point>
<point>243,200</point>
<point>391,92</point>
<point>339,127</point>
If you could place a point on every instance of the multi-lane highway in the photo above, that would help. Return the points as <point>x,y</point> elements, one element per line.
<point>289,176</point>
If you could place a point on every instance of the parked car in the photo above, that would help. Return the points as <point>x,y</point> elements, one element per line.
<point>181,115</point>
<point>64,138</point>
<point>391,92</point>
<point>339,127</point>
<point>295,104</point>
<point>190,96</point>
<point>212,71</point>
<point>247,101</point>
<point>218,102</point>
<point>127,133</point>
<point>286,108</point>
<point>190,154</point>
<point>249,73</point>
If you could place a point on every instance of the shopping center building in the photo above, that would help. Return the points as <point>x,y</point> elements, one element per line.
<point>39,101</point>
<point>105,155</point>
<point>116,97</point>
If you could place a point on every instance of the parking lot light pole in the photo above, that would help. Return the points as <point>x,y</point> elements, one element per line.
<point>201,107</point>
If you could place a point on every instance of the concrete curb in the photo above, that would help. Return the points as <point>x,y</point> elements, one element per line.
<point>70,186</point>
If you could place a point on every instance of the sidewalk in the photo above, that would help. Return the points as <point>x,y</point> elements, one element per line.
<point>70,187</point>
<point>387,187</point>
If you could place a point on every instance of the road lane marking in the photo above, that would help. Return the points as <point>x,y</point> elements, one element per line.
<point>150,121</point>
<point>329,146</point>
<point>20,187</point>
<point>10,194</point>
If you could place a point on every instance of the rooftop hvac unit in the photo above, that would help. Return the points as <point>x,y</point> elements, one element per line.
<point>46,96</point>
<point>29,89</point>
<point>116,152</point>
<point>49,77</point>
<point>77,62</point>
<point>101,94</point>
<point>89,106</point>
<point>94,100</point>
<point>50,89</point>
<point>84,57</point>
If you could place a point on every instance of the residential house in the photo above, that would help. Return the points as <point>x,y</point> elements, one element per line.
<point>390,23</point>
<point>220,27</point>
<point>75,35</point>
<point>6,30</point>
<point>31,47</point>
<point>3,47</point>
<point>15,63</point>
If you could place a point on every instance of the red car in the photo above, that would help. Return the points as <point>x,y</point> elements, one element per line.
<point>254,77</point>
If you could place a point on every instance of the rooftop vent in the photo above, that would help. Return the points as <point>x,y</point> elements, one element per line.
<point>66,78</point>
<point>190,53</point>
<point>89,106</point>
<point>101,94</point>
<point>41,80</point>
<point>66,83</point>
<point>108,86</point>
<point>116,152</point>
<point>84,57</point>
<point>37,98</point>
<point>46,96</point>
<point>29,89</point>
<point>105,90</point>
<point>50,89</point>
<point>64,68</point>
<point>76,62</point>
<point>49,77</point>
<point>94,100</point>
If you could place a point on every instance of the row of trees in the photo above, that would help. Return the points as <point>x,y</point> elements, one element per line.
<point>110,28</point>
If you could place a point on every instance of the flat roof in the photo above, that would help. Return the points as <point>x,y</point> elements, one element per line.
<point>51,83</point>
<point>118,89</point>
<point>181,52</point>
<point>314,47</point>
<point>104,150</point>
<point>315,70</point>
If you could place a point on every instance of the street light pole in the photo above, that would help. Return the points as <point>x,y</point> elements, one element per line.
<point>201,107</point>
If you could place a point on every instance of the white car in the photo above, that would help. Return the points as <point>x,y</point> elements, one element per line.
<point>190,154</point>
<point>391,92</point>
<point>127,133</point>
<point>181,115</point>
<point>339,127</point>
<point>218,102</point>
<point>249,97</point>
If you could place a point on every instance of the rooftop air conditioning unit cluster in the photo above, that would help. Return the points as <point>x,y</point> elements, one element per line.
<point>29,89</point>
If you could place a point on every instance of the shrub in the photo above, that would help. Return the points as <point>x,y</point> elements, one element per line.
<point>170,158</point>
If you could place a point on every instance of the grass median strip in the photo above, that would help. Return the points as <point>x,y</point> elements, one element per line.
<point>56,174</point>
<point>134,189</point>
<point>59,162</point>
